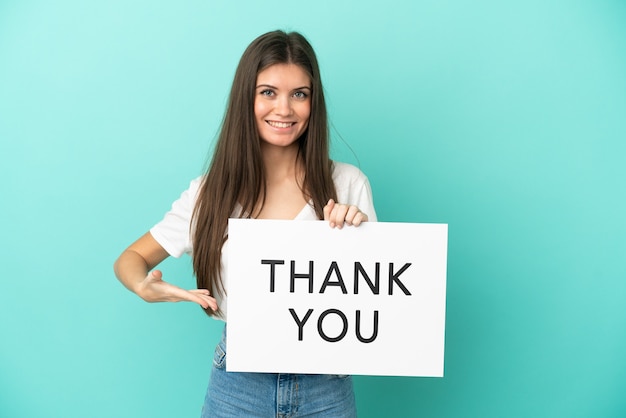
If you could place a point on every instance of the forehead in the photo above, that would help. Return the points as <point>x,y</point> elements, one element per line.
<point>284,75</point>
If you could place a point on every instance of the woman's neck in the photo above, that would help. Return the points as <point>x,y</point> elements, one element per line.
<point>284,175</point>
<point>281,162</point>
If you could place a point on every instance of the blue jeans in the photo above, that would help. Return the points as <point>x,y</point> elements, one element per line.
<point>280,395</point>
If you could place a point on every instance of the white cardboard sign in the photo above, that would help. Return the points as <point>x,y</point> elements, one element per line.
<point>306,298</point>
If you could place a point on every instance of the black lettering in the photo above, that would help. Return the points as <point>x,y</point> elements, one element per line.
<point>300,323</point>
<point>374,287</point>
<point>339,282</point>
<point>295,276</point>
<point>358,328</point>
<point>343,331</point>
<point>393,278</point>
<point>272,263</point>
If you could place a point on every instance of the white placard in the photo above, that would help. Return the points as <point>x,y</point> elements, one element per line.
<point>307,298</point>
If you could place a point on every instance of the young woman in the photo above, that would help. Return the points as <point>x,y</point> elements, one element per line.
<point>271,161</point>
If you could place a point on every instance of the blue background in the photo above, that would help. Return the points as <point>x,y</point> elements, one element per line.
<point>506,120</point>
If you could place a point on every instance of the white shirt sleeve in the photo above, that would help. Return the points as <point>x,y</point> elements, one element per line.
<point>353,188</point>
<point>173,232</point>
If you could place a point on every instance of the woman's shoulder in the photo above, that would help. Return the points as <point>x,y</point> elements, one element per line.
<point>194,186</point>
<point>344,172</point>
<point>353,188</point>
<point>189,196</point>
<point>195,183</point>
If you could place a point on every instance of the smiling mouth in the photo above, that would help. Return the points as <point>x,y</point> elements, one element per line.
<point>275,124</point>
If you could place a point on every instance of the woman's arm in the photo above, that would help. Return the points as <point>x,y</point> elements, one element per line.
<point>133,267</point>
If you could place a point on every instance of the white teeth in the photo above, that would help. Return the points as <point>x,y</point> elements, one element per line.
<point>280,124</point>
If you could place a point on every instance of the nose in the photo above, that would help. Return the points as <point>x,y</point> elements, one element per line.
<point>283,106</point>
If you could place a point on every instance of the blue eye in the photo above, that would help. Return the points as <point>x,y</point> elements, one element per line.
<point>300,95</point>
<point>266,93</point>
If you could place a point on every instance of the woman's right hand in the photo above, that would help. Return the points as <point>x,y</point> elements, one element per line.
<point>153,289</point>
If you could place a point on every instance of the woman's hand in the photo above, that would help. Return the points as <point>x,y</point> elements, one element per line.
<point>337,214</point>
<point>154,289</point>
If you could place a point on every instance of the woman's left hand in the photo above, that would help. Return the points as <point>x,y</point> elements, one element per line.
<point>337,214</point>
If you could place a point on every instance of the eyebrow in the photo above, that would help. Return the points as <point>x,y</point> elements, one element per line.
<point>276,88</point>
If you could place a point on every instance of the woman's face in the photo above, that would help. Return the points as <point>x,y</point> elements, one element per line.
<point>282,104</point>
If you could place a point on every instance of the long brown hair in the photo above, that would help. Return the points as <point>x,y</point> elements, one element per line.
<point>236,175</point>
